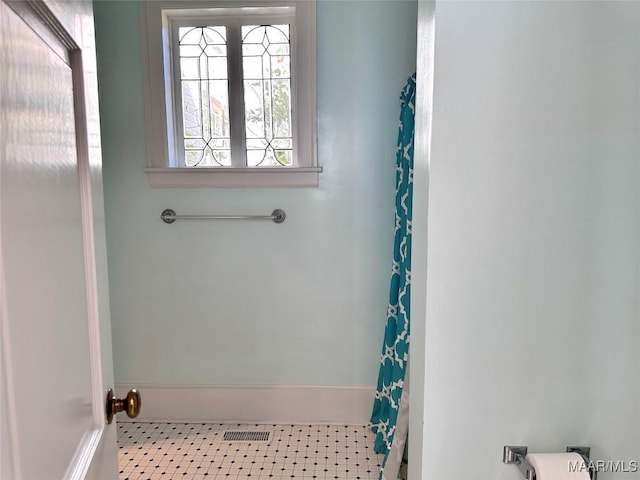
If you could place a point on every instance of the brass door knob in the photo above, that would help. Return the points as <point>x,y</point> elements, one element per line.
<point>130,404</point>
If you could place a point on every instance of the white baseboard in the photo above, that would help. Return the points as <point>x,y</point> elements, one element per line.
<point>278,404</point>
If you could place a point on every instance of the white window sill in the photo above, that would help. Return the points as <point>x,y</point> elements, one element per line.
<point>224,177</point>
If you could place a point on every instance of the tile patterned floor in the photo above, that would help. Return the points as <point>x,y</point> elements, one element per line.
<point>198,451</point>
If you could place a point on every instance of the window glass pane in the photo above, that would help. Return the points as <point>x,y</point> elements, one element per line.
<point>266,64</point>
<point>205,96</point>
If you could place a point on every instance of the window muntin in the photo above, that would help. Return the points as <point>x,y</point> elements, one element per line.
<point>266,60</point>
<point>204,93</point>
<point>234,78</point>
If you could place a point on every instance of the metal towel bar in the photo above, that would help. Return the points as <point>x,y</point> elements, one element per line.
<point>170,216</point>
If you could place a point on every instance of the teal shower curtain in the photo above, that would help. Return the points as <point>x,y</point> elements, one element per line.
<point>389,420</point>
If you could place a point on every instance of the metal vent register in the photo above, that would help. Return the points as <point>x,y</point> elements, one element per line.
<point>244,436</point>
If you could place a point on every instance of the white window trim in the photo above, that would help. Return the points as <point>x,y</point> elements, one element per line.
<point>156,34</point>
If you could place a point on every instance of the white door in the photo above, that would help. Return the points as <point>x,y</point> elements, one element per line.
<point>56,352</point>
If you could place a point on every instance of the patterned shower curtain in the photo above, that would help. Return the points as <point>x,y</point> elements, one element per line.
<point>389,420</point>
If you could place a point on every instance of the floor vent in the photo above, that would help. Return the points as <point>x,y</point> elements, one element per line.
<point>244,436</point>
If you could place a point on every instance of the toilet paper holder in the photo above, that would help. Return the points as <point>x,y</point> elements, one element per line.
<point>515,455</point>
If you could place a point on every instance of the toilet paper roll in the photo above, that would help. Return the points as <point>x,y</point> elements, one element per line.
<point>558,466</point>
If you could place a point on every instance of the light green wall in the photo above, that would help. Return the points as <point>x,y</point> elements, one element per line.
<point>533,288</point>
<point>255,303</point>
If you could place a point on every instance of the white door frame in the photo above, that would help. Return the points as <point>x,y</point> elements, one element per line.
<point>422,146</point>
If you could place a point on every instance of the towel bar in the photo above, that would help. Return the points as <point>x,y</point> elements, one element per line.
<point>169,216</point>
